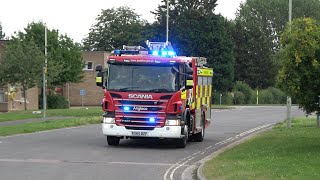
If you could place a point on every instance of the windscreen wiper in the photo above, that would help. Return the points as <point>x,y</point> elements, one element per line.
<point>127,88</point>
<point>160,90</point>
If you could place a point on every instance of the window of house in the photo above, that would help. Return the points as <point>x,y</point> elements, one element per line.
<point>2,95</point>
<point>88,65</point>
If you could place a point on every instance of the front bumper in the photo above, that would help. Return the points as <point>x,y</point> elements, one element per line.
<point>163,132</point>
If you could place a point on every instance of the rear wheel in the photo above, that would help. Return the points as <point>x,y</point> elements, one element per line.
<point>182,142</point>
<point>113,140</point>
<point>200,136</point>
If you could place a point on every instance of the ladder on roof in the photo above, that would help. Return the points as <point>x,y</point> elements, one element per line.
<point>200,61</point>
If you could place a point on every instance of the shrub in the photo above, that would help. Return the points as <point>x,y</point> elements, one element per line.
<point>226,98</point>
<point>279,97</point>
<point>246,90</point>
<point>265,97</point>
<point>54,102</point>
<point>57,102</point>
<point>239,98</point>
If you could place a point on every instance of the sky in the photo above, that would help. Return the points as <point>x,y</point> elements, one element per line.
<point>75,17</point>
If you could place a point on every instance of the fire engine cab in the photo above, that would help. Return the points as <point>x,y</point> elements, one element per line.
<point>152,93</point>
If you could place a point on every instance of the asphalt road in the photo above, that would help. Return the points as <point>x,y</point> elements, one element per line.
<point>82,153</point>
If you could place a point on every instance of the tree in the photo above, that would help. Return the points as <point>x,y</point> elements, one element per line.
<point>22,64</point>
<point>2,35</point>
<point>196,31</point>
<point>300,63</point>
<point>65,62</point>
<point>259,25</point>
<point>114,28</point>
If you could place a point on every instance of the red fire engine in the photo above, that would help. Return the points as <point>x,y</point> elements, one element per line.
<point>154,93</point>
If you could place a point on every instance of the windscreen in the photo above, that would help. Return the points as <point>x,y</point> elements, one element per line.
<point>142,78</point>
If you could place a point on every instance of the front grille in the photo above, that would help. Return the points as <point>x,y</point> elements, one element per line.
<point>139,123</point>
<point>125,102</point>
<point>136,114</point>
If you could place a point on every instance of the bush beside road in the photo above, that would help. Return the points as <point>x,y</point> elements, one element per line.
<point>277,154</point>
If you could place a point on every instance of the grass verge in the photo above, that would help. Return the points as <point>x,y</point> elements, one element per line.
<point>79,112</point>
<point>277,154</point>
<point>214,106</point>
<point>47,125</point>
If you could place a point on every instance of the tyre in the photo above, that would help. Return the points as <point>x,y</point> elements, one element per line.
<point>182,142</point>
<point>200,136</point>
<point>112,140</point>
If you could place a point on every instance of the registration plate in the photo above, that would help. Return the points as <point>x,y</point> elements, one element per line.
<point>139,133</point>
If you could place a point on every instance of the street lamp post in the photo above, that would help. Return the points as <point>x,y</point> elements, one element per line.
<point>318,114</point>
<point>167,27</point>
<point>44,103</point>
<point>288,97</point>
<point>290,10</point>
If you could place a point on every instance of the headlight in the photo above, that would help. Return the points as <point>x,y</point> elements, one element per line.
<point>108,120</point>
<point>173,122</point>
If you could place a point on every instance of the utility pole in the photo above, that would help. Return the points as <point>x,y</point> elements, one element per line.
<point>318,114</point>
<point>257,96</point>
<point>288,112</point>
<point>290,10</point>
<point>167,30</point>
<point>288,97</point>
<point>44,74</point>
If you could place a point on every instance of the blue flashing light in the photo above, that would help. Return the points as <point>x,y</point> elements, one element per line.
<point>118,52</point>
<point>152,120</point>
<point>155,53</point>
<point>164,53</point>
<point>126,108</point>
<point>171,53</point>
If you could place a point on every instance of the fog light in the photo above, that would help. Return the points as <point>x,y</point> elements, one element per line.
<point>173,122</point>
<point>111,126</point>
<point>108,120</point>
<point>168,128</point>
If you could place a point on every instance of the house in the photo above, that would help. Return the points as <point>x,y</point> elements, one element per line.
<point>86,93</point>
<point>91,95</point>
<point>11,96</point>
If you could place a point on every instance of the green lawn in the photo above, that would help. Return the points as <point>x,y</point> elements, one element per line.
<point>277,154</point>
<point>47,125</point>
<point>215,106</point>
<point>78,112</point>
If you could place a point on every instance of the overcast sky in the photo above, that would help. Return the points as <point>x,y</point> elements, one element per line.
<point>75,17</point>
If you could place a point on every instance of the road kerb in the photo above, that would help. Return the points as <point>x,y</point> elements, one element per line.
<point>200,174</point>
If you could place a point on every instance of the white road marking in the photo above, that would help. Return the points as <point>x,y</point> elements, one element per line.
<point>140,163</point>
<point>32,161</point>
<point>168,170</point>
<point>53,161</point>
<point>174,170</point>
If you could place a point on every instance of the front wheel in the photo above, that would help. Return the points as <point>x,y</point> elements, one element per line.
<point>113,140</point>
